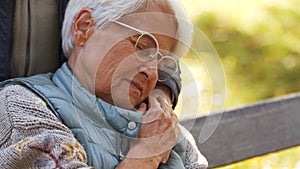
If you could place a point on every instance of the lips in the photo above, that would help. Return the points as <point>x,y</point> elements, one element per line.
<point>136,85</point>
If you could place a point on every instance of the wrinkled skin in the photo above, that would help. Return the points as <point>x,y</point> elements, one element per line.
<point>104,63</point>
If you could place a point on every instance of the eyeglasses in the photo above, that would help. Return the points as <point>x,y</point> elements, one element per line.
<point>166,64</point>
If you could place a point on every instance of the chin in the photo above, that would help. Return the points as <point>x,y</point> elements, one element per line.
<point>134,103</point>
<point>125,103</point>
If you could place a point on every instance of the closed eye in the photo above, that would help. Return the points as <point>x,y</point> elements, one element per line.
<point>146,41</point>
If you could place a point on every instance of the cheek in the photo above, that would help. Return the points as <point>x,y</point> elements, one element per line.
<point>102,84</point>
<point>112,64</point>
<point>151,86</point>
<point>114,57</point>
<point>117,55</point>
<point>123,49</point>
<point>104,75</point>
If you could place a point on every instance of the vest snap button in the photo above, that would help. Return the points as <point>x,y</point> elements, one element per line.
<point>131,125</point>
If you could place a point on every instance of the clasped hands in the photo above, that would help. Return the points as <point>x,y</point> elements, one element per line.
<point>157,135</point>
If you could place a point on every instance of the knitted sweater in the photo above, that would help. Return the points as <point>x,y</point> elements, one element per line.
<point>31,136</point>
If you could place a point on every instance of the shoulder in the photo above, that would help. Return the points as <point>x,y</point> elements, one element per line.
<point>21,97</point>
<point>26,110</point>
<point>15,93</point>
<point>32,135</point>
<point>19,100</point>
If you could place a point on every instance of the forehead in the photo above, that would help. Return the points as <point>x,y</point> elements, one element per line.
<point>155,22</point>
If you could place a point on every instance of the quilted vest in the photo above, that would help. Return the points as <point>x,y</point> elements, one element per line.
<point>102,129</point>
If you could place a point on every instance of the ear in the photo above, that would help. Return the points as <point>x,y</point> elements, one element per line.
<point>83,27</point>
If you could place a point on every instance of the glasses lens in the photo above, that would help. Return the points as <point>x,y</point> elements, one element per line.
<point>167,66</point>
<point>146,48</point>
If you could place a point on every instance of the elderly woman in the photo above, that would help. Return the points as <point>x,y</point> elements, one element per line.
<point>107,107</point>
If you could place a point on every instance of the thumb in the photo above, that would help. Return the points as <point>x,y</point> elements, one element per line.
<point>142,108</point>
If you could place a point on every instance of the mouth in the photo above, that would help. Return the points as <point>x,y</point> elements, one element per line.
<point>136,85</point>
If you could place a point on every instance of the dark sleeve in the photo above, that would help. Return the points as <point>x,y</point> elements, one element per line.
<point>6,21</point>
<point>62,8</point>
<point>174,83</point>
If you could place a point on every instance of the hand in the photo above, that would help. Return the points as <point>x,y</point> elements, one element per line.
<point>158,133</point>
<point>164,92</point>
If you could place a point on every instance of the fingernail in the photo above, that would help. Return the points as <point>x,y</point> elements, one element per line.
<point>143,105</point>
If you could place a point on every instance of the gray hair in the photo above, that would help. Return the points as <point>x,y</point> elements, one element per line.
<point>106,10</point>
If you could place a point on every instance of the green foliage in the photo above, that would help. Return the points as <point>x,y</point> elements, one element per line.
<point>260,61</point>
<point>259,45</point>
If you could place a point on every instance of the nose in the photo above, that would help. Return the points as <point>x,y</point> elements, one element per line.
<point>150,72</point>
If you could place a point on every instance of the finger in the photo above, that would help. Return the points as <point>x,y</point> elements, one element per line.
<point>152,115</point>
<point>165,157</point>
<point>156,128</point>
<point>157,92</point>
<point>166,121</point>
<point>142,108</point>
<point>154,112</point>
<point>165,126</point>
<point>149,130</point>
<point>163,100</point>
<point>174,118</point>
<point>167,107</point>
<point>153,102</point>
<point>169,125</point>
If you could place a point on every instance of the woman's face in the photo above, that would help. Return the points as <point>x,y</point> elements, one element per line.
<point>110,62</point>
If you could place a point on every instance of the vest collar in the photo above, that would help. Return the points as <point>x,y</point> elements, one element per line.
<point>123,121</point>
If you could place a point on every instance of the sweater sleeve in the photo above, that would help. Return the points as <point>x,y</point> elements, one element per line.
<point>32,137</point>
<point>194,159</point>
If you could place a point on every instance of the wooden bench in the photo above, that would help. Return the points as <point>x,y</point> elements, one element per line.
<point>249,131</point>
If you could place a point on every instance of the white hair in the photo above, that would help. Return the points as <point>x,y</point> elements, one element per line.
<point>106,10</point>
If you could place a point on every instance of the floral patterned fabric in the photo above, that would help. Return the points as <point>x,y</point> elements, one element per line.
<point>32,137</point>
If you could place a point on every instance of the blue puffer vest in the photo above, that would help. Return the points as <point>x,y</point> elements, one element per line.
<point>101,128</point>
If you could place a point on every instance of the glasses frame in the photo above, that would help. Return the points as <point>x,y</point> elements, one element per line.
<point>157,47</point>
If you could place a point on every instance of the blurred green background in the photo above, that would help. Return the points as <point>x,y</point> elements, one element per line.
<point>258,42</point>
